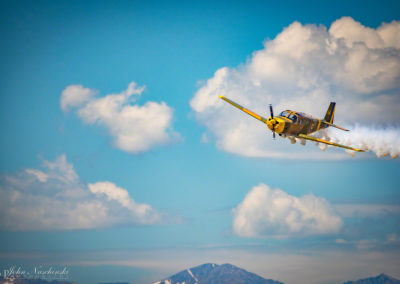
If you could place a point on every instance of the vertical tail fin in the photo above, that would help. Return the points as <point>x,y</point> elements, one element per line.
<point>330,113</point>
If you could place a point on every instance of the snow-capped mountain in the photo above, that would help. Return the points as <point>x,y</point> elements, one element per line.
<point>216,274</point>
<point>380,279</point>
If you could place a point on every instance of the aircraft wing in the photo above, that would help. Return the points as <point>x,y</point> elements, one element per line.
<point>249,112</point>
<point>328,142</point>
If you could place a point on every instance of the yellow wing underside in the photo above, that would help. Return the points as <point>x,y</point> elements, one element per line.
<point>328,142</point>
<point>249,112</point>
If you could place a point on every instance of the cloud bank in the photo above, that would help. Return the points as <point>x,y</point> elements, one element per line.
<point>134,128</point>
<point>273,213</point>
<point>304,68</point>
<point>56,199</point>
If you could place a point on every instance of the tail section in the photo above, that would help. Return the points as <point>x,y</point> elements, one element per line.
<point>330,113</point>
<point>328,119</point>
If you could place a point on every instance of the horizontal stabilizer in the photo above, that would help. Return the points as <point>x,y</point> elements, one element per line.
<point>334,125</point>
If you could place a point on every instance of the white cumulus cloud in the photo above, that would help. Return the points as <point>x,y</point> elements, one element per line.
<point>56,199</point>
<point>304,68</point>
<point>134,128</point>
<point>75,96</point>
<point>113,192</point>
<point>273,213</point>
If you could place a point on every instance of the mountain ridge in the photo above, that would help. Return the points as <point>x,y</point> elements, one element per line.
<point>212,273</point>
<point>380,279</point>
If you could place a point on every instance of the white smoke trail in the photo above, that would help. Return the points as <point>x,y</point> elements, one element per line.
<point>382,141</point>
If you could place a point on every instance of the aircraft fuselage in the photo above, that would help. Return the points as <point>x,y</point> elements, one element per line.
<point>294,123</point>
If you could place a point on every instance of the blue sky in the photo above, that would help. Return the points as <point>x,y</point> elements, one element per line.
<point>188,174</point>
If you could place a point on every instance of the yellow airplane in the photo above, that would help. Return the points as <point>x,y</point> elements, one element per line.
<point>297,124</point>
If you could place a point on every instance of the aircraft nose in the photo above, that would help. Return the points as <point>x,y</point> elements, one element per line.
<point>271,123</point>
<point>276,124</point>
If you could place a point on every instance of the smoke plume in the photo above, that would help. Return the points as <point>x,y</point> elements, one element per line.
<point>382,141</point>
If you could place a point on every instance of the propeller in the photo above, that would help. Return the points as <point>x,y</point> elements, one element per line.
<point>272,116</point>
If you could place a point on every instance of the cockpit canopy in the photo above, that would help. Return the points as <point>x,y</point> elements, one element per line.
<point>291,116</point>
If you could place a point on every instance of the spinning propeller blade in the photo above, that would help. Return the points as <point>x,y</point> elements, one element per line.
<point>271,110</point>
<point>272,116</point>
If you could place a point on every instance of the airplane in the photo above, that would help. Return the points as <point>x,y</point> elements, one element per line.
<point>294,124</point>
